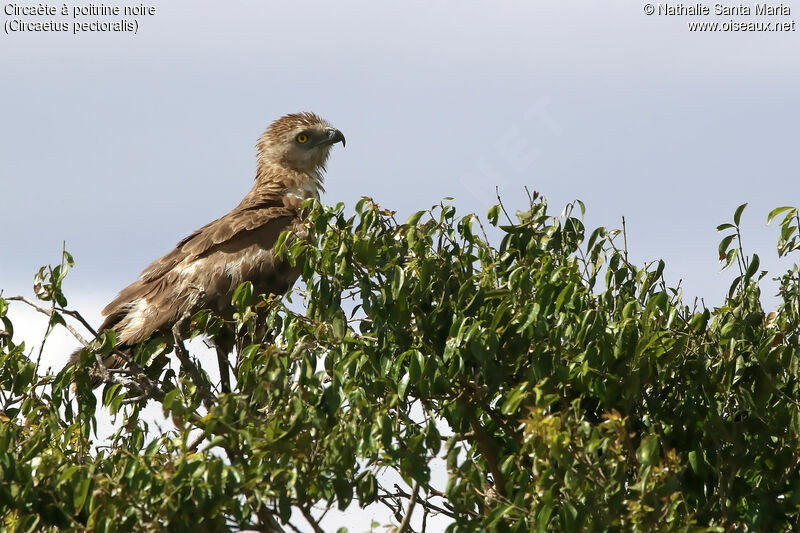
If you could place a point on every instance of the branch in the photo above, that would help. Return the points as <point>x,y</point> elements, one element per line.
<point>267,521</point>
<point>142,382</point>
<point>224,375</point>
<point>186,362</point>
<point>497,193</point>
<point>310,519</point>
<point>625,239</point>
<point>49,313</point>
<point>486,447</point>
<point>405,524</point>
<point>428,506</point>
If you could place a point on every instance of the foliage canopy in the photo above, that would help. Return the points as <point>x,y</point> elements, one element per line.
<point>565,388</point>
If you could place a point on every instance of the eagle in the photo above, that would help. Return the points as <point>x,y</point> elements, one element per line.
<point>206,267</point>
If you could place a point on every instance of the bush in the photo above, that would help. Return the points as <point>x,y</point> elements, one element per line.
<point>567,389</point>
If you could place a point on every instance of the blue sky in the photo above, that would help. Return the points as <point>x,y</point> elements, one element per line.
<point>121,145</point>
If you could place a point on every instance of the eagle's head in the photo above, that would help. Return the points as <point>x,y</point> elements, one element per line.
<point>300,142</point>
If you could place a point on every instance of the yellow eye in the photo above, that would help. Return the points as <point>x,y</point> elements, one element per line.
<point>302,138</point>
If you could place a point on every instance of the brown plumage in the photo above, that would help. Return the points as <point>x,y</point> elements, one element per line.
<point>206,267</point>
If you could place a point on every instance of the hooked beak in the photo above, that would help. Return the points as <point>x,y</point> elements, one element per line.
<point>334,136</point>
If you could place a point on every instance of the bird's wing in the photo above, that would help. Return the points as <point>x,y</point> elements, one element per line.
<point>259,210</point>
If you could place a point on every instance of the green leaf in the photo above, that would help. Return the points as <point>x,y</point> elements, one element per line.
<point>787,230</point>
<point>414,367</point>
<point>344,492</point>
<point>564,295</point>
<point>730,258</point>
<point>493,214</point>
<point>778,210</point>
<point>280,244</point>
<point>582,206</point>
<point>752,267</point>
<point>570,517</point>
<point>649,451</point>
<point>693,462</point>
<point>414,219</point>
<point>543,517</point>
<point>242,296</point>
<point>725,243</point>
<point>339,323</point>
<point>513,399</point>
<point>56,319</point>
<point>493,520</point>
<point>402,386</point>
<point>697,462</point>
<point>597,233</point>
<point>631,309</point>
<point>727,330</point>
<point>398,278</point>
<point>284,508</point>
<point>367,489</point>
<point>530,372</point>
<point>108,341</point>
<point>737,216</point>
<point>110,393</point>
<point>80,492</point>
<point>168,401</point>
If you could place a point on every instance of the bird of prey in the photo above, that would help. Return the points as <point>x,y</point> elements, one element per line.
<point>206,267</point>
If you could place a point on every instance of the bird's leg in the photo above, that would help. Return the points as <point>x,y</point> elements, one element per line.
<point>186,363</point>
<point>224,376</point>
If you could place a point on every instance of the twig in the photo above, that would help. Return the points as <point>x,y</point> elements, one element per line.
<point>139,379</point>
<point>77,316</point>
<point>294,528</point>
<point>528,192</point>
<point>47,332</point>
<point>404,525</point>
<point>486,238</point>
<point>625,239</point>
<point>310,519</point>
<point>391,501</point>
<point>423,502</point>
<point>186,362</point>
<point>197,441</point>
<point>141,382</point>
<point>497,193</point>
<point>128,401</point>
<point>486,447</point>
<point>327,508</point>
<point>268,521</point>
<point>48,312</point>
<point>224,376</point>
<point>101,367</point>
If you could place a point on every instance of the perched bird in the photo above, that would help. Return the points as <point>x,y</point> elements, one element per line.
<point>206,267</point>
